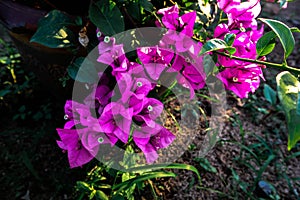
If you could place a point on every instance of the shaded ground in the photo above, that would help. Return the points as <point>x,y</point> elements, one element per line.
<point>253,144</point>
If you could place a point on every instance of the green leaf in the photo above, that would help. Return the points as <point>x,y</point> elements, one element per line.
<point>148,168</point>
<point>216,44</point>
<point>147,5</point>
<point>107,17</point>
<point>100,195</point>
<point>4,92</point>
<point>209,65</point>
<point>295,30</point>
<point>229,38</point>
<point>270,94</point>
<point>289,94</point>
<point>205,164</point>
<point>127,184</point>
<point>134,9</point>
<point>284,34</point>
<point>53,32</point>
<point>83,70</point>
<point>83,186</point>
<point>27,162</point>
<point>266,44</point>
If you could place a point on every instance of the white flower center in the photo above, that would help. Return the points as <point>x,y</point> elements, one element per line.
<point>66,117</point>
<point>106,39</point>
<point>150,108</point>
<point>100,140</point>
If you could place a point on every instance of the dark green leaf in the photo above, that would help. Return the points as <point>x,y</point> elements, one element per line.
<point>284,34</point>
<point>205,164</point>
<point>107,17</point>
<point>289,93</point>
<point>53,32</point>
<point>229,38</point>
<point>27,162</point>
<point>216,44</point>
<point>4,92</point>
<point>270,94</point>
<point>83,186</point>
<point>266,44</point>
<point>209,65</point>
<point>117,197</point>
<point>147,5</point>
<point>83,70</point>
<point>133,9</point>
<point>264,167</point>
<point>101,195</point>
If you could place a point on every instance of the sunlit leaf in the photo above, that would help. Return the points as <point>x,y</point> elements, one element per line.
<point>266,44</point>
<point>53,32</point>
<point>289,94</point>
<point>154,167</point>
<point>229,38</point>
<point>124,185</point>
<point>284,34</point>
<point>216,44</point>
<point>100,195</point>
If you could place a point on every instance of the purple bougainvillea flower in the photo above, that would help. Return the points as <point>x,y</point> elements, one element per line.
<point>151,139</point>
<point>73,112</point>
<point>155,60</point>
<point>106,44</point>
<point>241,14</point>
<point>100,35</point>
<point>194,76</point>
<point>226,5</point>
<point>154,70</point>
<point>172,21</point>
<point>129,85</point>
<point>115,57</point>
<point>187,22</point>
<point>78,155</point>
<point>241,79</point>
<point>91,140</point>
<point>154,55</point>
<point>180,33</point>
<point>170,16</point>
<point>151,109</point>
<point>99,97</point>
<point>116,120</point>
<point>245,43</point>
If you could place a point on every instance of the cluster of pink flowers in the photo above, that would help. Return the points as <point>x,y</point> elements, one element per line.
<point>239,76</point>
<point>130,111</point>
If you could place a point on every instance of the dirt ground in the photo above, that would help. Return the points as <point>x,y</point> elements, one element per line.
<point>244,117</point>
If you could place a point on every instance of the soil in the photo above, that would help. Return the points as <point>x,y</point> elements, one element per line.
<point>226,155</point>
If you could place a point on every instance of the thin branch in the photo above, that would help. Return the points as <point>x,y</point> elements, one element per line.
<point>268,64</point>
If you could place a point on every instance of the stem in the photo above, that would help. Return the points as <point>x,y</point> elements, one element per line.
<point>268,64</point>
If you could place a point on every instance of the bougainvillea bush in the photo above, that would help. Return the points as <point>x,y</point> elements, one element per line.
<point>130,77</point>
